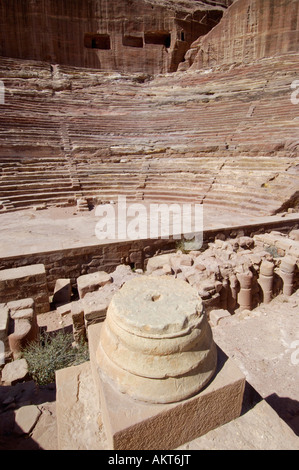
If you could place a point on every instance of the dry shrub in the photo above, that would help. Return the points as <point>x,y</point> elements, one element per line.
<point>52,353</point>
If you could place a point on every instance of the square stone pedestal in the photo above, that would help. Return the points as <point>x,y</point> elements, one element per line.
<point>133,425</point>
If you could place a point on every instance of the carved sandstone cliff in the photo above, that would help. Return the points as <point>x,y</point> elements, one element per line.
<point>228,139</point>
<point>125,35</point>
<point>225,138</point>
<point>250,30</point>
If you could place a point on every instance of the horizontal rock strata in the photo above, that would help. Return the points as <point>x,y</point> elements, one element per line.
<point>250,30</point>
<point>227,139</point>
<point>107,35</point>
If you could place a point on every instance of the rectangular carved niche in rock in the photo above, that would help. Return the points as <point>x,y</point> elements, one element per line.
<point>97,41</point>
<point>157,37</point>
<point>132,41</point>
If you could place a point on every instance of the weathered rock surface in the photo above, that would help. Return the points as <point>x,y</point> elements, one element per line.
<point>77,410</point>
<point>15,371</point>
<point>26,418</point>
<point>92,282</point>
<point>254,29</point>
<point>25,282</point>
<point>228,136</point>
<point>37,405</point>
<point>107,36</point>
<point>217,315</point>
<point>156,344</point>
<point>264,344</point>
<point>257,429</point>
<point>95,303</point>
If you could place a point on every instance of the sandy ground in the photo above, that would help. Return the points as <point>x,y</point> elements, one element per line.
<point>31,231</point>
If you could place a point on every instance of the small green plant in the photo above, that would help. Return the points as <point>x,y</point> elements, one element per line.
<point>187,245</point>
<point>180,246</point>
<point>52,353</point>
<point>272,250</point>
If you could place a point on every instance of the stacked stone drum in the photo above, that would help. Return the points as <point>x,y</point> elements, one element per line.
<point>156,344</point>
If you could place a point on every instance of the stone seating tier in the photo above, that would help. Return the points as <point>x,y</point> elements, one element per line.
<point>215,137</point>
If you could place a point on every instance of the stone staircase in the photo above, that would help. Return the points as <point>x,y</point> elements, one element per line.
<point>27,182</point>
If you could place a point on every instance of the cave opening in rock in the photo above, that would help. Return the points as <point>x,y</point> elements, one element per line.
<point>158,37</point>
<point>97,41</point>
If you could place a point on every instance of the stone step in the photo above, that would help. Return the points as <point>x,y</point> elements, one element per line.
<point>36,176</point>
<point>27,189</point>
<point>247,196</point>
<point>49,201</point>
<point>242,207</point>
<point>43,195</point>
<point>171,196</point>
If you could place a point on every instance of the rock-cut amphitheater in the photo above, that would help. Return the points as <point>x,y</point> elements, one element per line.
<point>109,109</point>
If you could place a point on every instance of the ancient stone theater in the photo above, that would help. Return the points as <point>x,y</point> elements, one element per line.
<point>149,225</point>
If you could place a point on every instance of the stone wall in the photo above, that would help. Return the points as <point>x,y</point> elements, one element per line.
<point>74,262</point>
<point>123,35</point>
<point>249,30</point>
<point>20,282</point>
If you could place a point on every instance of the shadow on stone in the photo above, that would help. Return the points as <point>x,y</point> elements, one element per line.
<point>287,409</point>
<point>22,396</point>
<point>250,398</point>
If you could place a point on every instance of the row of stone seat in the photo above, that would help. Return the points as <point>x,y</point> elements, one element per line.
<point>199,122</point>
<point>27,182</point>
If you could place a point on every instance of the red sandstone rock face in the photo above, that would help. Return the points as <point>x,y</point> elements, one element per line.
<point>125,35</point>
<point>224,138</point>
<point>249,30</point>
<point>223,3</point>
<point>227,136</point>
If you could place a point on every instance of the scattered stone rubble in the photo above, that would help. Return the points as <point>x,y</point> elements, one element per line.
<point>14,372</point>
<point>237,273</point>
<point>232,276</point>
